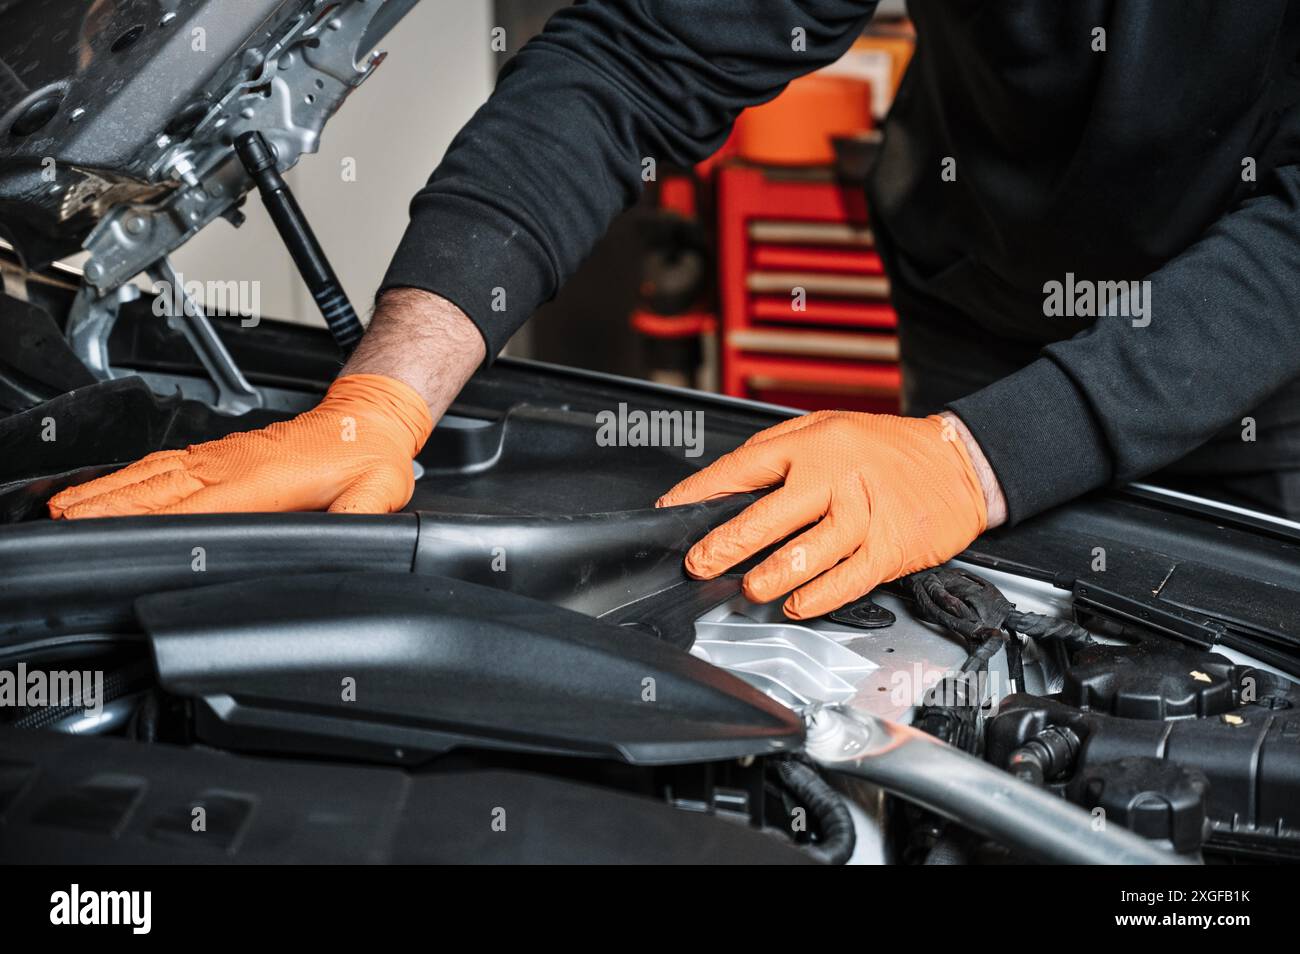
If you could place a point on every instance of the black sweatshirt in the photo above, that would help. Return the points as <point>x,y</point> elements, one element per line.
<point>1164,148</point>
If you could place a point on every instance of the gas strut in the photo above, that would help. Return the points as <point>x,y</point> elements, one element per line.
<point>259,159</point>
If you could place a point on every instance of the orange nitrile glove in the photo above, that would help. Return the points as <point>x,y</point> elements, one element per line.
<point>889,496</point>
<point>349,454</point>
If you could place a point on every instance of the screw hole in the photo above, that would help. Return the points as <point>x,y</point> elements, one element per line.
<point>36,115</point>
<point>127,39</point>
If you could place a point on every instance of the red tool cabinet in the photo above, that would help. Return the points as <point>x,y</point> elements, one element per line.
<point>835,346</point>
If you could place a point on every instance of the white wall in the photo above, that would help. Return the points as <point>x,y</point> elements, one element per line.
<point>396,126</point>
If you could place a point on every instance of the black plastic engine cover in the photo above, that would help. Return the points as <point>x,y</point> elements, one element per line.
<point>396,668</point>
<point>1151,680</point>
<point>72,799</point>
<point>1250,756</point>
<point>1153,797</point>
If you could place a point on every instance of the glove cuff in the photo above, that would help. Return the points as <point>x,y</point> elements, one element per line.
<point>970,479</point>
<point>392,398</point>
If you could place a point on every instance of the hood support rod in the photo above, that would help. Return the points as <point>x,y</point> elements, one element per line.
<point>258,158</point>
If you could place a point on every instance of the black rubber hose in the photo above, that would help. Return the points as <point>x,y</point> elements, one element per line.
<point>825,806</point>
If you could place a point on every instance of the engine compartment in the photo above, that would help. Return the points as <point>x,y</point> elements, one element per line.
<point>235,635</point>
<point>515,667</point>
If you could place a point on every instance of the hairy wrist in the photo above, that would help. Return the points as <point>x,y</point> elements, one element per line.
<point>995,502</point>
<point>422,340</point>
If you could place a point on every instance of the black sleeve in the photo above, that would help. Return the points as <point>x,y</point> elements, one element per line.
<point>537,175</point>
<point>1118,401</point>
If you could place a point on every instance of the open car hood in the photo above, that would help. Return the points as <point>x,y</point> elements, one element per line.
<point>117,116</point>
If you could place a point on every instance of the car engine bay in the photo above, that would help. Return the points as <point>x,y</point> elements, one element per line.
<point>514,620</point>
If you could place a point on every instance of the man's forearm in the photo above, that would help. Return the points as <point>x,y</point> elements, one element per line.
<point>422,340</point>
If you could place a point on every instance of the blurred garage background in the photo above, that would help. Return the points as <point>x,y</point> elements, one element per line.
<point>753,273</point>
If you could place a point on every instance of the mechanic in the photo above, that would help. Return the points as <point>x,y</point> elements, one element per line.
<point>1110,141</point>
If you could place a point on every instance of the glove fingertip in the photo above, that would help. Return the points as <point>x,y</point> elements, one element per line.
<point>81,511</point>
<point>369,500</point>
<point>791,609</point>
<point>369,505</point>
<point>802,605</point>
<point>677,498</point>
<point>758,590</point>
<point>698,567</point>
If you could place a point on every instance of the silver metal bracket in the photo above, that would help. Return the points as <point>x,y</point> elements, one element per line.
<point>234,394</point>
<point>287,91</point>
<point>13,281</point>
<point>90,322</point>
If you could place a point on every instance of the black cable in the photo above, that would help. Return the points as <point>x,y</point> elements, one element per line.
<point>974,609</point>
<point>1016,662</point>
<point>1038,626</point>
<point>825,806</point>
<point>993,641</point>
<point>960,602</point>
<point>965,604</point>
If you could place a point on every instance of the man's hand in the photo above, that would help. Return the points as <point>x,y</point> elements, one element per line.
<point>882,496</point>
<point>350,454</point>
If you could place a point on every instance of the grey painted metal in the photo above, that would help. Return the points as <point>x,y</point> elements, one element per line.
<point>287,92</point>
<point>90,321</point>
<point>917,767</point>
<point>234,394</point>
<point>884,672</point>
